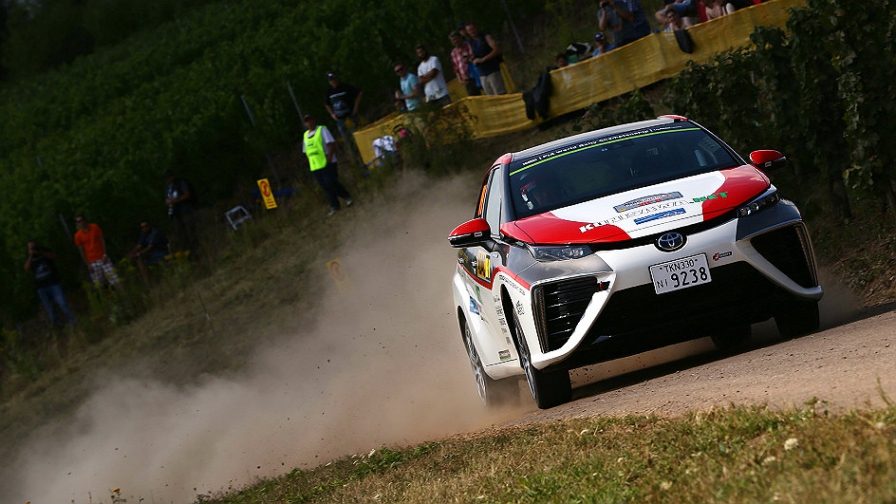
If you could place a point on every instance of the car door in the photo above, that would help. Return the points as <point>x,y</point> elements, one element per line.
<point>484,261</point>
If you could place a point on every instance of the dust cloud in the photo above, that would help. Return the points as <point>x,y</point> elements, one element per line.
<point>383,365</point>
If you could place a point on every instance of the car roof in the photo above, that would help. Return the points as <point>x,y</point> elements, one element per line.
<point>590,135</point>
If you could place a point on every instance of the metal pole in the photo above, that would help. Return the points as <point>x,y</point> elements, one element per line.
<point>270,161</point>
<point>513,26</point>
<point>248,110</point>
<point>296,103</point>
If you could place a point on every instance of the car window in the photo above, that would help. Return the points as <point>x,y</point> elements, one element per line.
<point>493,202</point>
<point>579,172</point>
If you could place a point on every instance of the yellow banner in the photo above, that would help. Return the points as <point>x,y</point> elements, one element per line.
<point>636,65</point>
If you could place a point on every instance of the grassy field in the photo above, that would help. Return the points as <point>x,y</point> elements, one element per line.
<point>740,455</point>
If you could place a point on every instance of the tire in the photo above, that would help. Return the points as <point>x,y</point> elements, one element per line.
<point>798,319</point>
<point>492,393</point>
<point>549,389</point>
<point>732,336</point>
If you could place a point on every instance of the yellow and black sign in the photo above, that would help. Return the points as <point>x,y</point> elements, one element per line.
<point>343,282</point>
<point>483,266</point>
<point>265,187</point>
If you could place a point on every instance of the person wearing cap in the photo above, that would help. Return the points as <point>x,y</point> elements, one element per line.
<point>49,287</point>
<point>180,198</point>
<point>429,71</point>
<point>601,45</point>
<point>320,147</point>
<point>342,103</point>
<point>151,249</point>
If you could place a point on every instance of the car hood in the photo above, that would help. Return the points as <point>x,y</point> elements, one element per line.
<point>643,211</point>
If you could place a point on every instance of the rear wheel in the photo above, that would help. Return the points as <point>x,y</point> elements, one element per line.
<point>732,336</point>
<point>797,319</point>
<point>550,388</point>
<point>492,392</point>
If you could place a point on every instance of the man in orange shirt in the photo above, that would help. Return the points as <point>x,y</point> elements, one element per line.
<point>92,246</point>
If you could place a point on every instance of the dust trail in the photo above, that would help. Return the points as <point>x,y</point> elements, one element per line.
<point>383,365</point>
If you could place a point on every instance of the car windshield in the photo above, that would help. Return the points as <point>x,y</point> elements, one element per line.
<point>583,171</point>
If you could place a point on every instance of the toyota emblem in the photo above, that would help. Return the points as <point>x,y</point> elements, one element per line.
<point>670,242</point>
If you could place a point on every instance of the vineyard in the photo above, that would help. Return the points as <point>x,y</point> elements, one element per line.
<point>96,135</point>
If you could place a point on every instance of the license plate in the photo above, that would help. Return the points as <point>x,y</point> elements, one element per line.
<point>680,274</point>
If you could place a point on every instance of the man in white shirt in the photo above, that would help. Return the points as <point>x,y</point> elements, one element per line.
<point>432,78</point>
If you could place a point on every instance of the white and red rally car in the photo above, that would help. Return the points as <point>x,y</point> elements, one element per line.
<point>619,241</point>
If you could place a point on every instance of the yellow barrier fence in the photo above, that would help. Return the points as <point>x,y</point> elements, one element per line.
<point>641,63</point>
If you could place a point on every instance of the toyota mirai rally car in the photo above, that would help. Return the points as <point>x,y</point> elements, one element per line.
<point>622,240</point>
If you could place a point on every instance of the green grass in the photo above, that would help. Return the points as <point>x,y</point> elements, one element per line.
<point>741,454</point>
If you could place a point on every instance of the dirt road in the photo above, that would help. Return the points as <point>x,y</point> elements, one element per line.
<point>846,367</point>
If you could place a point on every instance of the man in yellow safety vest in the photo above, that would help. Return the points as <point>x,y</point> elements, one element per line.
<point>320,147</point>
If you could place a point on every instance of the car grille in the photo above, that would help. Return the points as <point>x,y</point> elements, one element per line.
<point>636,320</point>
<point>788,250</point>
<point>560,306</point>
<point>736,291</point>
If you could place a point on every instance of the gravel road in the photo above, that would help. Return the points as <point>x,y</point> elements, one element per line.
<point>846,367</point>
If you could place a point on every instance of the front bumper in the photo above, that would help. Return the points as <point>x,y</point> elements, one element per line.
<point>757,267</point>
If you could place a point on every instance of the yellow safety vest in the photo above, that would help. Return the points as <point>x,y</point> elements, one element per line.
<point>315,150</point>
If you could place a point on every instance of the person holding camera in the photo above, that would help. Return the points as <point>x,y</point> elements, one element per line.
<point>625,19</point>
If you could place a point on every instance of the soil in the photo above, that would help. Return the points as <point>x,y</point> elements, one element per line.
<point>841,368</point>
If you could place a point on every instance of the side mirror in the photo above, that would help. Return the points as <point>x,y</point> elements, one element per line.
<point>768,160</point>
<point>470,233</point>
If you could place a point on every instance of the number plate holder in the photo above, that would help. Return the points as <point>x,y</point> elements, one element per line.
<point>680,274</point>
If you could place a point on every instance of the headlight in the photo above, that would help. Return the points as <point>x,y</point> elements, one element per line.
<point>766,200</point>
<point>560,253</point>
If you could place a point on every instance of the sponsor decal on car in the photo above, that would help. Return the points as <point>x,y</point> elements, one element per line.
<point>713,196</point>
<point>483,266</point>
<point>646,200</point>
<point>504,355</point>
<point>720,255</point>
<point>664,207</point>
<point>475,307</point>
<point>520,310</point>
<point>600,142</point>
<point>663,215</point>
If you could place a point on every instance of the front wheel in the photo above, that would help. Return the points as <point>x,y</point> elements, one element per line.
<point>550,388</point>
<point>797,319</point>
<point>492,392</point>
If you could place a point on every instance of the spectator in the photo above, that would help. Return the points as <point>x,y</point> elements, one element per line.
<point>180,198</point>
<point>49,289</point>
<point>92,247</point>
<point>717,8</point>
<point>562,60</point>
<point>320,147</point>
<point>684,8</point>
<point>487,57</point>
<point>601,45</point>
<point>151,249</point>
<point>431,76</point>
<point>342,103</point>
<point>674,21</point>
<point>625,19</point>
<point>410,87</point>
<point>460,61</point>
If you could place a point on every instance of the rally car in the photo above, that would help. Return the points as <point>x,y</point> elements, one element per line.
<point>622,240</point>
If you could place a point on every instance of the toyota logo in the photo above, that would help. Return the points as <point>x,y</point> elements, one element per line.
<point>670,242</point>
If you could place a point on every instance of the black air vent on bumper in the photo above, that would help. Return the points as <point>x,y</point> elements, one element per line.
<point>788,250</point>
<point>559,307</point>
